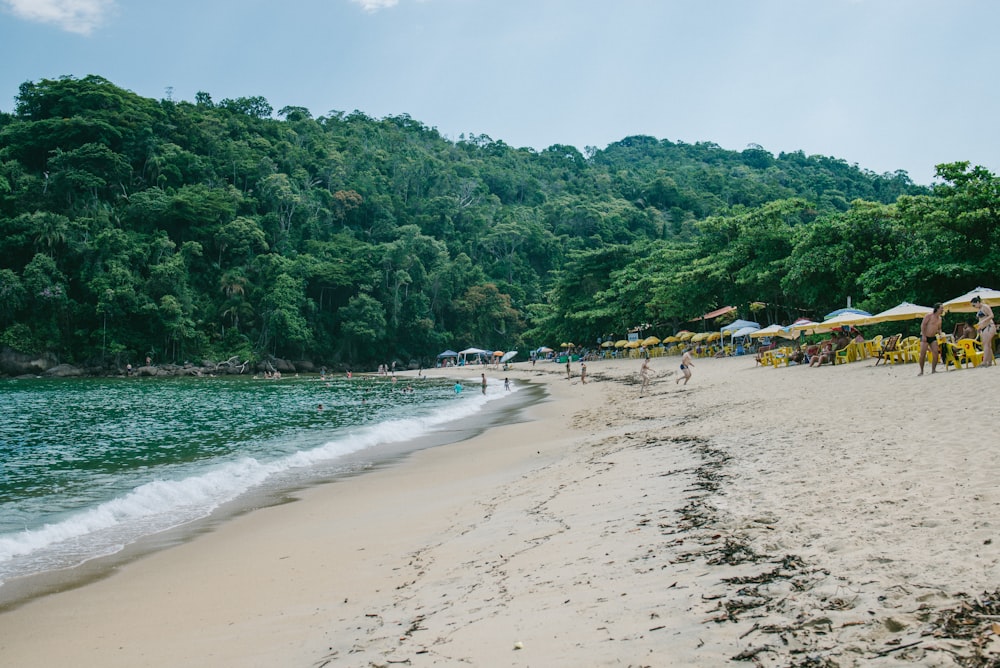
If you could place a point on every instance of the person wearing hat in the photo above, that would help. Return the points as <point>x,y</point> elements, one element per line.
<point>987,329</point>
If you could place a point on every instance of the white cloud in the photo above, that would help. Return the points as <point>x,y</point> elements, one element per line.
<point>79,16</point>
<point>375,5</point>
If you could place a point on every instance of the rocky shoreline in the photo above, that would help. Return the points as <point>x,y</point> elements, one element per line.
<point>19,365</point>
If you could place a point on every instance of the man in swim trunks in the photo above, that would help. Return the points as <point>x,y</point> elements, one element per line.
<point>930,327</point>
<point>685,367</point>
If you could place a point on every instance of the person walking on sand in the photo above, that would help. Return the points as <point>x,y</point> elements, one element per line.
<point>484,383</point>
<point>685,367</point>
<point>987,330</point>
<point>930,327</point>
<point>644,374</point>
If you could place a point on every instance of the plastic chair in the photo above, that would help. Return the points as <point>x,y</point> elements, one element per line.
<point>889,347</point>
<point>973,351</point>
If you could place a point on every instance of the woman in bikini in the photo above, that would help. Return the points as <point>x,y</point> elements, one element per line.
<point>987,330</point>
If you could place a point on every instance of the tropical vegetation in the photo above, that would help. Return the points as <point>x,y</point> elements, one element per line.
<point>187,230</point>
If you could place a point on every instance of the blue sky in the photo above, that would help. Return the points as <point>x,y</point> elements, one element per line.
<point>885,84</point>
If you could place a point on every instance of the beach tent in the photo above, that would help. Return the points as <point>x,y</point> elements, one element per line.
<point>738,324</point>
<point>905,311</point>
<point>735,326</point>
<point>962,303</point>
<point>463,355</point>
<point>447,353</point>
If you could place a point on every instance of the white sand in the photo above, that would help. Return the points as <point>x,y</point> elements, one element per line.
<point>857,504</point>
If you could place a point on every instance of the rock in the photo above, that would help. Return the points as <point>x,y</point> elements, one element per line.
<point>13,363</point>
<point>64,371</point>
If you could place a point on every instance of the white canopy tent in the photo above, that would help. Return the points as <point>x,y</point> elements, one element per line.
<point>463,355</point>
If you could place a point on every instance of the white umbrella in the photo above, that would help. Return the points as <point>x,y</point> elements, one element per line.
<point>963,304</point>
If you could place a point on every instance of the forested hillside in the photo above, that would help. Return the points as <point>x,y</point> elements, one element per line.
<point>131,226</point>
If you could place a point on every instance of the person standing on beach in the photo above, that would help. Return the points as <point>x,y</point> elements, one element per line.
<point>644,374</point>
<point>484,383</point>
<point>569,369</point>
<point>506,384</point>
<point>930,327</point>
<point>987,330</point>
<point>583,373</point>
<point>685,367</point>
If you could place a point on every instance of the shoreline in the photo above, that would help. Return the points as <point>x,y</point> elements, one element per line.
<point>22,589</point>
<point>776,515</point>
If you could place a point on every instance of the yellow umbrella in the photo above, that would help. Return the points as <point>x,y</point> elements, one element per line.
<point>671,339</point>
<point>905,311</point>
<point>714,336</point>
<point>963,303</point>
<point>700,336</point>
<point>650,341</point>
<point>607,344</point>
<point>632,344</point>
<point>686,336</point>
<point>621,343</point>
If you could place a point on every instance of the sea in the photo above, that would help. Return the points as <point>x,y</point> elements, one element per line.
<point>90,467</point>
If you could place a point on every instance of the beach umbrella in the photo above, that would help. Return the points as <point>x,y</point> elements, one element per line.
<point>671,339</point>
<point>544,349</point>
<point>842,311</point>
<point>498,353</point>
<point>607,344</point>
<point>962,303</point>
<point>686,336</point>
<point>844,319</point>
<point>700,336</point>
<point>770,330</point>
<point>507,356</point>
<point>567,345</point>
<point>714,336</point>
<point>905,311</point>
<point>632,344</point>
<point>650,341</point>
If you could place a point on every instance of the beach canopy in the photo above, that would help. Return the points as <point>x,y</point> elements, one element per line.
<point>448,353</point>
<point>905,311</point>
<point>738,324</point>
<point>745,331</point>
<point>963,303</point>
<point>474,351</point>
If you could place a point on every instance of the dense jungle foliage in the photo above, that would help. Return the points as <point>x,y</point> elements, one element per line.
<point>132,226</point>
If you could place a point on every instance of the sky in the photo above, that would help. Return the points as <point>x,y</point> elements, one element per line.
<point>884,84</point>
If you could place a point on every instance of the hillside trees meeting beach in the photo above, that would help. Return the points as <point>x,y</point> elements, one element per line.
<point>189,230</point>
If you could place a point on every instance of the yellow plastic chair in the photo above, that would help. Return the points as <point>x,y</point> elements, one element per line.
<point>888,345</point>
<point>973,351</point>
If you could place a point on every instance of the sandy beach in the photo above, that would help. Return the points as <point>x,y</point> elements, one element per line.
<point>834,516</point>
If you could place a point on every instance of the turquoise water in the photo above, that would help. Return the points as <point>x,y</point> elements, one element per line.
<point>89,466</point>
